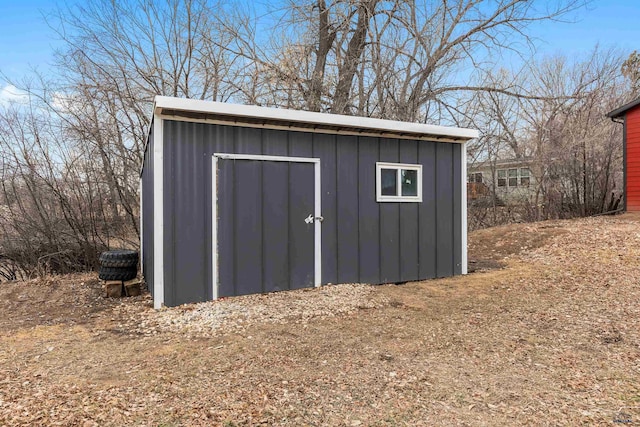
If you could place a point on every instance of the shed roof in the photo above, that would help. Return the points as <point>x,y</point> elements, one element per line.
<point>619,112</point>
<point>251,115</point>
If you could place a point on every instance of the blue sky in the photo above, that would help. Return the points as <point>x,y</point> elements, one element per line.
<point>607,22</point>
<point>26,40</point>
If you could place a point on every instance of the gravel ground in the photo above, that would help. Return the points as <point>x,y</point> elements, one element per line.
<point>232,315</point>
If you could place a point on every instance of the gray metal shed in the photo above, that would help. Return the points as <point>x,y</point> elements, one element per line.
<point>240,199</point>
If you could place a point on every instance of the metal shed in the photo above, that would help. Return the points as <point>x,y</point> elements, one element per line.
<point>240,199</point>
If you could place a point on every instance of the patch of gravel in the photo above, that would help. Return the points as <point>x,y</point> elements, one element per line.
<point>230,315</point>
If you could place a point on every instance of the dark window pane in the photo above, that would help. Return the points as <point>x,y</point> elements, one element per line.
<point>524,181</point>
<point>388,179</point>
<point>513,182</point>
<point>409,182</point>
<point>502,182</point>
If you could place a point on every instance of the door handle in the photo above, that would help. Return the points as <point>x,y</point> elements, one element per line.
<point>312,218</point>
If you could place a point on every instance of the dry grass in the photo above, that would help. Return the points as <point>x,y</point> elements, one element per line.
<point>551,338</point>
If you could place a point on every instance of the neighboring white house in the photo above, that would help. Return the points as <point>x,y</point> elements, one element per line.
<point>510,180</point>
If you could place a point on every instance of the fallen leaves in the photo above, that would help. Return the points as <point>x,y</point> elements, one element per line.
<point>551,338</point>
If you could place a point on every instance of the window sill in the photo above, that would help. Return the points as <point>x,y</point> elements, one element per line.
<point>407,199</point>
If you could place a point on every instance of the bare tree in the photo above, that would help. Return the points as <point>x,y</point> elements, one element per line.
<point>560,127</point>
<point>117,57</point>
<point>55,213</point>
<point>72,155</point>
<point>631,70</point>
<point>399,60</point>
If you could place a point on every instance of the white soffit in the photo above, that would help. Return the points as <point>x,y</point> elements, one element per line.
<point>210,110</point>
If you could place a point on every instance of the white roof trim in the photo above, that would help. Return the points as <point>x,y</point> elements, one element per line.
<point>238,111</point>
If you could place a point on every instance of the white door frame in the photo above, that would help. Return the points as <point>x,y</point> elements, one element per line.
<point>214,209</point>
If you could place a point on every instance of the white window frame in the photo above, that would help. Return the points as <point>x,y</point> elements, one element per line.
<point>398,167</point>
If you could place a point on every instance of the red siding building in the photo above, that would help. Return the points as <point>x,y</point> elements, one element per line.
<point>629,116</point>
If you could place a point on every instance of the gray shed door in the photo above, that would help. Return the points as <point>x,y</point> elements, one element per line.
<point>264,243</point>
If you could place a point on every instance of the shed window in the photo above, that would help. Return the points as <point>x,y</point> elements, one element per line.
<point>398,182</point>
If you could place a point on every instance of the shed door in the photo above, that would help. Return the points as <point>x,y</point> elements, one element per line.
<point>266,225</point>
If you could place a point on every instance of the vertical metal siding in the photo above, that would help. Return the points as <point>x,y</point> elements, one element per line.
<point>444,209</point>
<point>171,244</point>
<point>247,141</point>
<point>186,216</point>
<point>301,185</point>
<point>427,212</point>
<point>147,212</point>
<point>275,209</point>
<point>271,246</point>
<point>301,234</point>
<point>457,208</point>
<point>248,223</point>
<point>347,209</point>
<point>208,208</point>
<point>300,144</point>
<point>389,222</point>
<point>409,224</point>
<point>362,240</point>
<point>369,221</point>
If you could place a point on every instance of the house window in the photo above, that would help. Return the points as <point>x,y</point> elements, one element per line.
<point>502,178</point>
<point>398,182</point>
<point>475,177</point>
<point>525,177</point>
<point>513,177</point>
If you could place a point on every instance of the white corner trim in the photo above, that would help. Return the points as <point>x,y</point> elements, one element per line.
<point>214,227</point>
<point>398,167</point>
<point>317,260</point>
<point>244,112</point>
<point>158,213</point>
<point>463,207</point>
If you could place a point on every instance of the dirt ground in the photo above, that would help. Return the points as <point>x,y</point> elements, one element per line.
<point>545,331</point>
